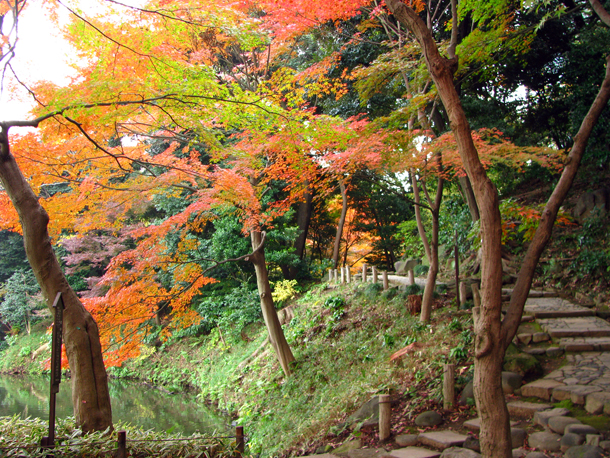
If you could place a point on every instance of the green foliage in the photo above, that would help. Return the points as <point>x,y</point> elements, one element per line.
<point>410,241</point>
<point>230,307</point>
<point>372,290</point>
<point>413,289</point>
<point>21,297</point>
<point>420,270</point>
<point>283,291</point>
<point>593,259</point>
<point>13,255</point>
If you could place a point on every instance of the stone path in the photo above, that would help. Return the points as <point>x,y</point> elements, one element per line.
<point>584,380</point>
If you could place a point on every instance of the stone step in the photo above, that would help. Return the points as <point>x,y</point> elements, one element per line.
<point>581,344</point>
<point>524,409</point>
<point>441,439</point>
<point>475,424</point>
<point>414,452</point>
<point>588,326</point>
<point>555,307</point>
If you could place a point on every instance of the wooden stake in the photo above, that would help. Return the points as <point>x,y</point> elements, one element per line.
<point>386,284</point>
<point>448,386</point>
<point>122,444</point>
<point>364,273</point>
<point>385,415</point>
<point>239,439</point>
<point>374,269</point>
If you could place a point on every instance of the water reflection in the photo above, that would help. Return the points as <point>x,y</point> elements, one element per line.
<point>139,405</point>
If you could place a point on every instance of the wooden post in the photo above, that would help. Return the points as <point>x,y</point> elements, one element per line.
<point>386,284</point>
<point>335,275</point>
<point>457,272</point>
<point>239,439</point>
<point>364,273</point>
<point>385,415</point>
<point>330,275</point>
<point>476,296</point>
<point>411,277</point>
<point>374,269</point>
<point>122,445</point>
<point>342,274</point>
<point>463,292</point>
<point>348,274</point>
<point>448,386</point>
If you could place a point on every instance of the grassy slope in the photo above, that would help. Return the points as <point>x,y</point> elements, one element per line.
<point>342,349</point>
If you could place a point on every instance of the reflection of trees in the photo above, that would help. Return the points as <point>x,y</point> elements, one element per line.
<point>134,403</point>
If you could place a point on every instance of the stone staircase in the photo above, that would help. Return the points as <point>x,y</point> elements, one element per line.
<point>552,326</point>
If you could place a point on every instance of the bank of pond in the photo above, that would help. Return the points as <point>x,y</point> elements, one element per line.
<point>133,403</point>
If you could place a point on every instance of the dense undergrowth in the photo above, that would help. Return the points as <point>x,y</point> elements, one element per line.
<point>342,338</point>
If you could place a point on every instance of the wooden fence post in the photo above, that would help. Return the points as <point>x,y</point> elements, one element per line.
<point>239,439</point>
<point>385,415</point>
<point>374,269</point>
<point>342,274</point>
<point>330,275</point>
<point>364,273</point>
<point>348,274</point>
<point>335,275</point>
<point>386,284</point>
<point>448,386</point>
<point>122,445</point>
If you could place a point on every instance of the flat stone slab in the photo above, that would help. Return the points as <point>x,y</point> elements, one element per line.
<point>413,452</point>
<point>555,307</point>
<point>475,424</point>
<point>524,409</point>
<point>587,326</point>
<point>542,388</point>
<point>532,294</point>
<point>575,393</point>
<point>585,343</point>
<point>442,439</point>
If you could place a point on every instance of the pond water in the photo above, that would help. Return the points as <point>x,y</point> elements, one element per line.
<point>133,403</point>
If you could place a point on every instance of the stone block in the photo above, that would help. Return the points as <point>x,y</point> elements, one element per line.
<point>517,436</point>
<point>545,440</point>
<point>413,452</point>
<point>558,424</point>
<point>542,388</point>
<point>582,451</point>
<point>441,439</point>
<point>570,440</point>
<point>581,429</point>
<point>457,452</point>
<point>542,418</point>
<point>540,337</point>
<point>597,403</point>
<point>406,440</point>
<point>523,409</point>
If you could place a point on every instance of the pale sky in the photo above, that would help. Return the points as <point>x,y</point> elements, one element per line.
<point>40,55</point>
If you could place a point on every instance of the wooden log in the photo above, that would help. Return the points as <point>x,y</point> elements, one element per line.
<point>385,416</point>
<point>448,386</point>
<point>386,283</point>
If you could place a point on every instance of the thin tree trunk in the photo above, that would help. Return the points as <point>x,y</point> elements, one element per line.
<point>340,225</point>
<point>90,397</point>
<point>274,328</point>
<point>303,220</point>
<point>489,347</point>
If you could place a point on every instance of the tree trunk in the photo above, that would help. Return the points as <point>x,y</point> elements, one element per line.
<point>274,328</point>
<point>90,397</point>
<point>489,347</point>
<point>337,246</point>
<point>303,219</point>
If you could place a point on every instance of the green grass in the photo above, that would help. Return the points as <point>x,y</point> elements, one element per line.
<point>342,340</point>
